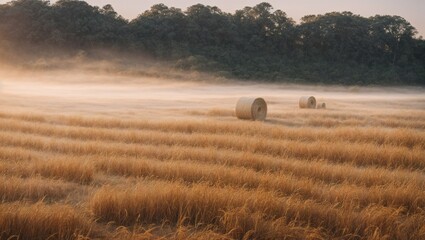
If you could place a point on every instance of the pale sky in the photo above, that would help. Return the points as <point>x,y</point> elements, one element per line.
<point>412,10</point>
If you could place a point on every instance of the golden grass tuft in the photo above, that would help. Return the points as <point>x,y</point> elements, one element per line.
<point>240,223</point>
<point>33,189</point>
<point>40,221</point>
<point>155,203</point>
<point>58,169</point>
<point>75,171</point>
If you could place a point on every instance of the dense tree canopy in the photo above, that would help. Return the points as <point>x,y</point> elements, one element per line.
<point>253,43</point>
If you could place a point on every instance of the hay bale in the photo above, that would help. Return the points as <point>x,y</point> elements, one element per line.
<point>251,108</point>
<point>307,102</point>
<point>321,105</point>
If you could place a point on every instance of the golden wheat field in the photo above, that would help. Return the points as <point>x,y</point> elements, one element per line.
<point>112,157</point>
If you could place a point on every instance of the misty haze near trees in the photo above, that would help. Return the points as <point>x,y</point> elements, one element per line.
<point>256,42</point>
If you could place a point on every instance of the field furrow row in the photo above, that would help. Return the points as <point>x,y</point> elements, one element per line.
<point>327,172</point>
<point>360,154</point>
<point>348,196</point>
<point>399,137</point>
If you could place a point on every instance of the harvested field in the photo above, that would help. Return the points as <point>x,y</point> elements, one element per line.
<point>100,157</point>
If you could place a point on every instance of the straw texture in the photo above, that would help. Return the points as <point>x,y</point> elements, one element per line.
<point>251,108</point>
<point>307,102</point>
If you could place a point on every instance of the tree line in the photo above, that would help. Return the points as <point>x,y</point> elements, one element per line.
<point>253,43</point>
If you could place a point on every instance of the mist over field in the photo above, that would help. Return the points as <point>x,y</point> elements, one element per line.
<point>112,129</point>
<point>147,97</point>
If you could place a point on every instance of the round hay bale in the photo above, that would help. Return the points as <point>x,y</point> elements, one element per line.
<point>321,105</point>
<point>251,108</point>
<point>307,102</point>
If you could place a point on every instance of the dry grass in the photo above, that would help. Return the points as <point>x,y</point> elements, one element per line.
<point>158,202</point>
<point>332,174</point>
<point>33,189</point>
<point>40,221</point>
<point>75,171</point>
<point>199,205</point>
<point>358,154</point>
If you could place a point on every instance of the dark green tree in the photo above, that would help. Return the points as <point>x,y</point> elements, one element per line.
<point>392,36</point>
<point>253,43</point>
<point>82,25</point>
<point>27,21</point>
<point>161,30</point>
